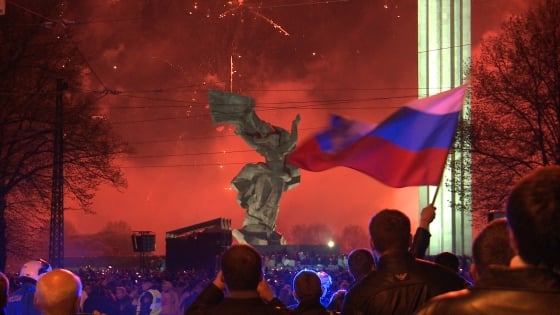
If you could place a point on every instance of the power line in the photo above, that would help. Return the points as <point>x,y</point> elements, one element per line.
<point>188,139</point>
<point>207,115</point>
<point>64,23</point>
<point>186,165</point>
<point>119,20</point>
<point>97,77</point>
<point>203,138</point>
<point>197,87</point>
<point>304,3</point>
<point>263,104</point>
<point>190,154</point>
<point>32,12</point>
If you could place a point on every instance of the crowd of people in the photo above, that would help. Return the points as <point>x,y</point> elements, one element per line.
<point>514,270</point>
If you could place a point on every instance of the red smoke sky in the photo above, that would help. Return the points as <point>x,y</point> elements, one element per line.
<point>356,58</point>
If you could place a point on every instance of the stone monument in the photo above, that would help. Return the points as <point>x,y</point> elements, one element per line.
<point>259,185</point>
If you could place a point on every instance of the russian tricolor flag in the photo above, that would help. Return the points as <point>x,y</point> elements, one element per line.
<point>409,148</point>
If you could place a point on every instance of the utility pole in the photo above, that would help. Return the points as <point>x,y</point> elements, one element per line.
<point>56,240</point>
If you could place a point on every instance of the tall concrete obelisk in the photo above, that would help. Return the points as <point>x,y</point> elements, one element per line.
<point>444,50</point>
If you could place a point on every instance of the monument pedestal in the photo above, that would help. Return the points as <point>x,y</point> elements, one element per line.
<point>258,238</point>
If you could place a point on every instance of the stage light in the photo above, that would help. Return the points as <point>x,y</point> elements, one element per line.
<point>330,244</point>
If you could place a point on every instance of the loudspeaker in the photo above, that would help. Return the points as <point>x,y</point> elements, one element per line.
<point>143,243</point>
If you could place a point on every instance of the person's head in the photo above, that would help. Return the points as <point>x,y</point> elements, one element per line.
<point>31,270</point>
<point>241,267</point>
<point>97,289</point>
<point>4,290</point>
<point>285,292</point>
<point>389,230</point>
<point>533,215</point>
<point>58,292</point>
<point>120,293</point>
<point>307,286</point>
<point>166,285</point>
<point>448,260</point>
<point>343,284</point>
<point>150,302</point>
<point>86,287</point>
<point>491,248</point>
<point>360,263</point>
<point>326,282</point>
<point>146,284</point>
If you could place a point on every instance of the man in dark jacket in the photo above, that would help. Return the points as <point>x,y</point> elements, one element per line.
<point>529,285</point>
<point>308,292</point>
<point>360,264</point>
<point>491,248</point>
<point>401,284</point>
<point>242,278</point>
<point>360,261</point>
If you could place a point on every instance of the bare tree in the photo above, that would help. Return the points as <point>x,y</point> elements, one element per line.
<point>37,50</point>
<point>516,103</point>
<point>352,237</point>
<point>112,240</point>
<point>310,234</point>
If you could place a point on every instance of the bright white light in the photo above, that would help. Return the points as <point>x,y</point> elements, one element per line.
<point>330,244</point>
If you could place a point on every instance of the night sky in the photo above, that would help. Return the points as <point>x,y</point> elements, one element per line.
<point>152,62</point>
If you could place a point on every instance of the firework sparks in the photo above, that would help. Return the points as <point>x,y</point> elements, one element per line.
<point>238,6</point>
<point>271,22</point>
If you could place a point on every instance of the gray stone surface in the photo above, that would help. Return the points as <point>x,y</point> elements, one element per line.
<point>259,185</point>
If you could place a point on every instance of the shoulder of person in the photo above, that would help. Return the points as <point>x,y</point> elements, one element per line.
<point>457,302</point>
<point>433,267</point>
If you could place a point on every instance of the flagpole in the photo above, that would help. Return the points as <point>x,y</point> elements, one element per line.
<point>466,82</point>
<point>435,194</point>
<point>441,177</point>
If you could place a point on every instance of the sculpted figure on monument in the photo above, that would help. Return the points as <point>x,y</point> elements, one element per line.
<point>259,185</point>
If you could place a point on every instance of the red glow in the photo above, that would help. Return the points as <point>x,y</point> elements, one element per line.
<point>344,55</point>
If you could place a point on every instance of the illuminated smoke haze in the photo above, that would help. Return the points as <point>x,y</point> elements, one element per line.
<point>155,60</point>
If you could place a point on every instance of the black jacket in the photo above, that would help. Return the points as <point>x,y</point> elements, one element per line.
<point>212,301</point>
<point>310,308</point>
<point>420,243</point>
<point>400,285</point>
<point>503,291</point>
